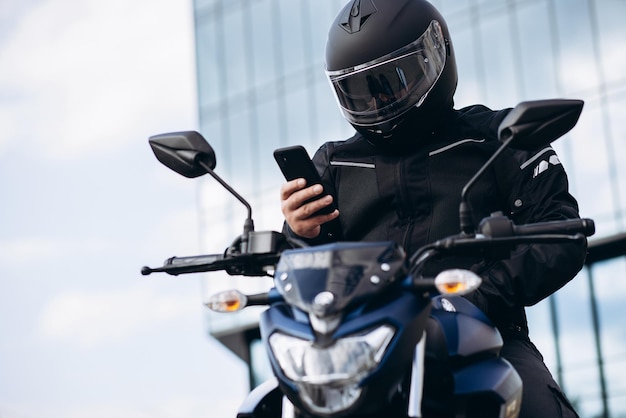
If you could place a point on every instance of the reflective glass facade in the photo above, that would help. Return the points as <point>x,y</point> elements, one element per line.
<point>261,85</point>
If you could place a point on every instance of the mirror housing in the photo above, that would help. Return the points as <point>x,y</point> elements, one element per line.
<point>187,152</point>
<point>535,124</point>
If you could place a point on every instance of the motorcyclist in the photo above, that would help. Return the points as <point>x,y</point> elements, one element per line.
<point>392,67</point>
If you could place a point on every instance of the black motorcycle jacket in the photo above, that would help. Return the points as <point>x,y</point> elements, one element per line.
<point>411,195</point>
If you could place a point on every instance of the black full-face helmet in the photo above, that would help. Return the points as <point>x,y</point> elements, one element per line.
<point>389,61</point>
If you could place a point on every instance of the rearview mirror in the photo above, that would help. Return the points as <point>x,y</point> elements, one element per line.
<point>535,124</point>
<point>529,126</point>
<point>190,155</point>
<point>187,153</point>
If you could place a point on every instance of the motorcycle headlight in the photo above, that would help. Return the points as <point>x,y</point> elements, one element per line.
<point>328,377</point>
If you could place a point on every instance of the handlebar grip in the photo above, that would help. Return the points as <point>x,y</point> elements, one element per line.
<point>193,260</point>
<point>191,264</point>
<point>584,226</point>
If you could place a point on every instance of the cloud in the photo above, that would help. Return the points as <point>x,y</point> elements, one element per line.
<point>175,232</point>
<point>24,250</point>
<point>88,318</point>
<point>92,75</point>
<point>180,406</point>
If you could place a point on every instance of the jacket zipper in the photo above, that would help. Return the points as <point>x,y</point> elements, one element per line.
<point>410,221</point>
<point>408,232</point>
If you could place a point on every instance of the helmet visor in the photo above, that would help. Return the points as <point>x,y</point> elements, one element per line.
<point>382,89</point>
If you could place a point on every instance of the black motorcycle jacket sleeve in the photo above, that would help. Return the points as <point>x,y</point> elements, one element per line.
<point>533,272</point>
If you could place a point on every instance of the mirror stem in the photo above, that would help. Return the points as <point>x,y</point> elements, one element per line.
<point>248,225</point>
<point>466,218</point>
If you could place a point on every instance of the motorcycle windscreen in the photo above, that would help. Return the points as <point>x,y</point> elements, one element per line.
<point>324,280</point>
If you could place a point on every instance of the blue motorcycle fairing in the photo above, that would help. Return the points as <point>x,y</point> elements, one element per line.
<point>406,312</point>
<point>464,372</point>
<point>460,304</point>
<point>457,330</point>
<point>487,387</point>
<point>494,375</point>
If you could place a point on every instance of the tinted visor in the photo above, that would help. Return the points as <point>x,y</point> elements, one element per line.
<point>382,89</point>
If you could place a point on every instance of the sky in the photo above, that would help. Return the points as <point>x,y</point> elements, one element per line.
<point>84,205</point>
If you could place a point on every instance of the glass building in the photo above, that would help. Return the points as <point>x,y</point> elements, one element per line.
<point>261,85</point>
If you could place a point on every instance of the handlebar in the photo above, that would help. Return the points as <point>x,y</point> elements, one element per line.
<point>583,226</point>
<point>497,236</point>
<point>498,225</point>
<point>235,265</point>
<point>252,256</point>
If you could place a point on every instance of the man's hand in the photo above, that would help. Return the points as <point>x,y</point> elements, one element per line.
<point>298,215</point>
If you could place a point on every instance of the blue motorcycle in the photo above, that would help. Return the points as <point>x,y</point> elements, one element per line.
<point>361,329</point>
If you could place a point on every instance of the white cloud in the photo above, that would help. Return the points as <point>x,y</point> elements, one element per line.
<point>9,127</point>
<point>175,232</point>
<point>178,231</point>
<point>84,77</point>
<point>172,407</point>
<point>26,249</point>
<point>88,318</point>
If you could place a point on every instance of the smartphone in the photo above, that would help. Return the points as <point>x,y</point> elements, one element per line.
<point>294,162</point>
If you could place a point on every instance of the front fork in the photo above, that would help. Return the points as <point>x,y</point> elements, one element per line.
<point>289,411</point>
<point>416,391</point>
